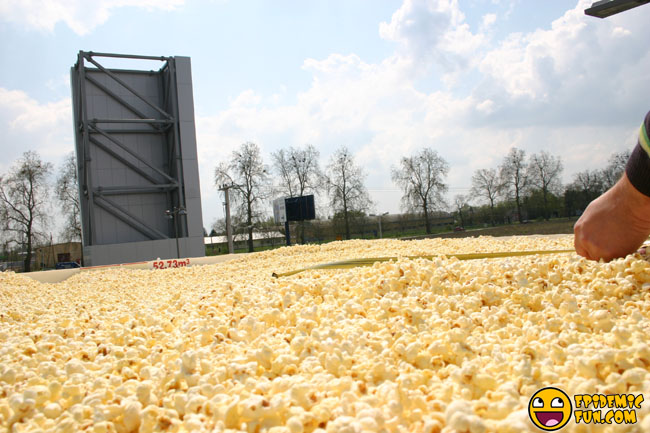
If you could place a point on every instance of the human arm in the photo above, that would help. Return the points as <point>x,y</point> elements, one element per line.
<point>615,224</point>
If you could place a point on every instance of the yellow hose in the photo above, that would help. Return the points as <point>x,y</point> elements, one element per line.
<point>354,263</point>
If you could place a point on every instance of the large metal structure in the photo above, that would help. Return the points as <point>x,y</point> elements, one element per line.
<point>136,160</point>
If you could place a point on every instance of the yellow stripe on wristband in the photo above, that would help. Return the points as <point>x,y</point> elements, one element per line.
<point>643,139</point>
<point>354,263</point>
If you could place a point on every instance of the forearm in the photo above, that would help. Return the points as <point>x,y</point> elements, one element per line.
<point>615,224</point>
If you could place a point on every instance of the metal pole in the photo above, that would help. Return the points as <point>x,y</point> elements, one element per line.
<point>231,247</point>
<point>171,64</point>
<point>178,248</point>
<point>379,219</point>
<point>287,233</point>
<point>87,180</point>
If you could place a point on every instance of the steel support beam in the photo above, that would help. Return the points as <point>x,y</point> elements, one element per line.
<point>136,131</point>
<point>128,189</point>
<point>116,97</point>
<point>132,153</point>
<point>129,88</point>
<point>87,181</point>
<point>127,217</point>
<point>177,150</point>
<point>155,121</point>
<point>126,56</point>
<point>123,160</point>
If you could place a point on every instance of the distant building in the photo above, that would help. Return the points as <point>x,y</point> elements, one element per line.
<point>48,256</point>
<point>259,239</point>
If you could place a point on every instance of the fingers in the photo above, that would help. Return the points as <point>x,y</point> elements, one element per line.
<point>579,241</point>
<point>580,250</point>
<point>588,249</point>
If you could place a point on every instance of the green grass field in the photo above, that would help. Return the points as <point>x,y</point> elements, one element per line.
<point>551,227</point>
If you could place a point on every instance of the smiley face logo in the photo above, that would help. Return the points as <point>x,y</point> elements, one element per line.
<point>550,409</point>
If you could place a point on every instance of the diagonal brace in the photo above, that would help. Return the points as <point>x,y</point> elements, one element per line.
<point>125,216</point>
<point>132,153</point>
<point>127,87</point>
<point>117,98</point>
<point>123,160</point>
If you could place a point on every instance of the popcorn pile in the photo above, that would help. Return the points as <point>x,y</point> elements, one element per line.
<point>406,346</point>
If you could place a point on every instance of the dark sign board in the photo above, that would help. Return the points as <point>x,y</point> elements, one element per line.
<point>300,208</point>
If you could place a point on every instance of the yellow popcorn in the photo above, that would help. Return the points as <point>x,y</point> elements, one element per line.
<point>132,415</point>
<point>415,345</point>
<point>294,424</point>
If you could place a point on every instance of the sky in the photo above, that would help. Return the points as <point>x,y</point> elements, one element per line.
<point>386,78</point>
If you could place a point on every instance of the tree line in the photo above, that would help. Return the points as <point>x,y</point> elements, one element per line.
<point>521,187</point>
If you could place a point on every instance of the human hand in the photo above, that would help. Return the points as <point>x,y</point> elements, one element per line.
<point>615,224</point>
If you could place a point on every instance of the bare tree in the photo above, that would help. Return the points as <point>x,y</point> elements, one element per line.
<point>615,168</point>
<point>421,179</point>
<point>282,166</point>
<point>298,170</point>
<point>513,171</point>
<point>299,174</point>
<point>218,227</point>
<point>487,184</point>
<point>23,201</point>
<point>460,202</point>
<point>248,176</point>
<point>345,187</point>
<point>67,192</point>
<point>586,186</point>
<point>544,173</point>
<point>589,182</point>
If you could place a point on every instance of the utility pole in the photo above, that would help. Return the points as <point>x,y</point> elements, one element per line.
<point>225,188</point>
<point>379,221</point>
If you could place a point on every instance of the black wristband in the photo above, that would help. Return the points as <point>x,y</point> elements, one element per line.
<point>638,170</point>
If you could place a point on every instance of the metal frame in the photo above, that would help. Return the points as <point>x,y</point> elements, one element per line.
<point>108,135</point>
<point>606,8</point>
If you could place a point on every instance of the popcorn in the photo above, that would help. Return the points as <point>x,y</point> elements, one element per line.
<point>294,424</point>
<point>411,345</point>
<point>132,416</point>
<point>52,410</point>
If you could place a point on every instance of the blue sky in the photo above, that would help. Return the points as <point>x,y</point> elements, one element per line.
<point>468,78</point>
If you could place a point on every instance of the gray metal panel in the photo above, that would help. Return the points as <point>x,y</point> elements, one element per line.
<point>184,70</point>
<point>193,247</point>
<point>143,251</point>
<point>187,134</point>
<point>185,103</point>
<point>137,160</point>
<point>191,176</point>
<point>194,219</point>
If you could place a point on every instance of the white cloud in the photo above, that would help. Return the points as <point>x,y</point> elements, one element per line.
<point>489,20</point>
<point>434,32</point>
<point>81,16</point>
<point>580,69</point>
<point>30,125</point>
<point>486,106</point>
<point>621,32</point>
